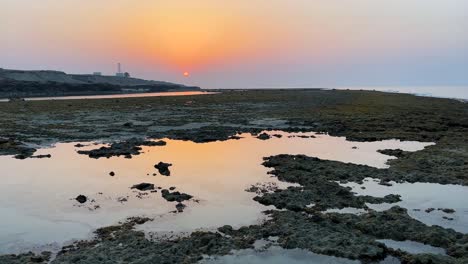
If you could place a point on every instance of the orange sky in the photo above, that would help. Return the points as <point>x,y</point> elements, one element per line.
<point>214,39</point>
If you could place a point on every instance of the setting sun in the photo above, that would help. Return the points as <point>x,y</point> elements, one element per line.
<point>186,74</point>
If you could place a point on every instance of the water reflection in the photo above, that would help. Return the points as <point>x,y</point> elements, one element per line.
<point>36,195</point>
<point>419,197</point>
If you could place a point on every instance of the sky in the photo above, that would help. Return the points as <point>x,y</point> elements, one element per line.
<point>243,43</point>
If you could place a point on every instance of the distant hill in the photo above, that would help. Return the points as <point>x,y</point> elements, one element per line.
<point>19,83</point>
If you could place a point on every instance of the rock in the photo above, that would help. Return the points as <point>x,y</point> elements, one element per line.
<point>175,196</point>
<point>112,173</point>
<point>447,210</point>
<point>180,207</point>
<point>172,188</point>
<point>163,168</point>
<point>124,148</point>
<point>384,182</point>
<point>37,259</point>
<point>143,186</point>
<point>263,136</point>
<point>278,136</point>
<point>79,145</point>
<point>81,198</point>
<point>428,210</point>
<point>46,156</point>
<point>226,229</point>
<point>155,143</point>
<point>392,152</point>
<point>20,156</point>
<point>122,199</point>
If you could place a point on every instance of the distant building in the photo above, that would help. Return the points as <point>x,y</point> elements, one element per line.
<point>119,72</point>
<point>97,73</point>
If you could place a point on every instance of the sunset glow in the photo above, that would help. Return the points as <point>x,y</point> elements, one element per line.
<point>267,42</point>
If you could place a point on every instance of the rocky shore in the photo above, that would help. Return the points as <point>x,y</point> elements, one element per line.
<point>302,222</point>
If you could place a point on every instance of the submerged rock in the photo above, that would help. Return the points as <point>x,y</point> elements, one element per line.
<point>163,168</point>
<point>143,186</point>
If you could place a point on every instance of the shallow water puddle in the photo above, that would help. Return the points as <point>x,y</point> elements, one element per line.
<point>37,195</point>
<point>276,255</point>
<point>412,247</point>
<point>424,201</point>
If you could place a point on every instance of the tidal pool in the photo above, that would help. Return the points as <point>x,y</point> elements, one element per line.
<point>37,196</point>
<point>276,255</point>
<point>412,247</point>
<point>424,201</point>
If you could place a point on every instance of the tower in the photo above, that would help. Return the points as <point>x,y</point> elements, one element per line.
<point>119,71</point>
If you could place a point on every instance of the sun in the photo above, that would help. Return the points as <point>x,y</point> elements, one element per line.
<point>186,74</point>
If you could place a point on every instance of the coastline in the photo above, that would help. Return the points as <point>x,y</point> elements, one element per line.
<point>361,116</point>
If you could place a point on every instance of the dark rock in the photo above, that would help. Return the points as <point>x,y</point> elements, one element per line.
<point>428,210</point>
<point>81,198</point>
<point>180,207</point>
<point>226,229</point>
<point>112,173</point>
<point>155,143</point>
<point>124,148</point>
<point>122,199</point>
<point>46,156</point>
<point>20,156</point>
<point>143,186</point>
<point>37,259</point>
<point>392,152</point>
<point>447,210</point>
<point>175,196</point>
<point>264,136</point>
<point>163,168</point>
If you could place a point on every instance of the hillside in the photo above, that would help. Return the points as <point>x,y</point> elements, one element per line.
<point>19,83</point>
